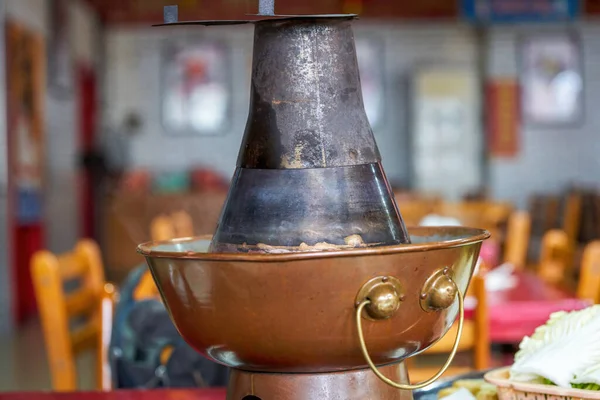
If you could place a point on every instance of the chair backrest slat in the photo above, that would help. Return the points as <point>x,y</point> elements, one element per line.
<point>72,266</point>
<point>572,216</point>
<point>81,302</point>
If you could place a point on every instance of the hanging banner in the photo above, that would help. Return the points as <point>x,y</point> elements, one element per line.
<point>503,119</point>
<point>510,11</point>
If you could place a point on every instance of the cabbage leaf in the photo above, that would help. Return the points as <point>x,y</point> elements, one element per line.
<point>565,351</point>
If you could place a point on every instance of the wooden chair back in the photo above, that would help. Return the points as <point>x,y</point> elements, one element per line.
<point>163,227</point>
<point>177,224</point>
<point>475,338</point>
<point>589,279</point>
<point>518,233</point>
<point>478,214</point>
<point>413,211</point>
<point>60,310</point>
<point>572,216</point>
<point>555,257</point>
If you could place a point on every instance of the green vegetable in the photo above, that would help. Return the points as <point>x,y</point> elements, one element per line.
<point>586,386</point>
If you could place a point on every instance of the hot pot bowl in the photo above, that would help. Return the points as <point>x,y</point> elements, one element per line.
<point>296,312</point>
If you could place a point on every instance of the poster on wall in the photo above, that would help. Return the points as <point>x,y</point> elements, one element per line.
<point>446,131</point>
<point>551,80</point>
<point>369,53</point>
<point>503,122</point>
<point>25,55</point>
<point>196,85</point>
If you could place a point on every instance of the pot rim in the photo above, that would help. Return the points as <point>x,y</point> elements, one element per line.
<point>465,236</point>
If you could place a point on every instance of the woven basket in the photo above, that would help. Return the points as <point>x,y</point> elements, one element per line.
<point>509,390</point>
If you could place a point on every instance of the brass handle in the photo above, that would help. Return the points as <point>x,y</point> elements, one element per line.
<point>365,302</point>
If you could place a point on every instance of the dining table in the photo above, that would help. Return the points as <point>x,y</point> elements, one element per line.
<point>160,394</point>
<point>517,310</point>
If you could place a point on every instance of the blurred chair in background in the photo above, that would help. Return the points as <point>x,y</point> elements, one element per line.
<point>72,320</point>
<point>517,239</point>
<point>555,257</point>
<point>176,225</point>
<point>163,227</point>
<point>479,214</point>
<point>551,213</point>
<point>589,278</point>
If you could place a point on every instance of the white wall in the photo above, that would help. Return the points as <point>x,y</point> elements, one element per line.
<point>31,13</point>
<point>62,137</point>
<point>549,159</point>
<point>132,83</point>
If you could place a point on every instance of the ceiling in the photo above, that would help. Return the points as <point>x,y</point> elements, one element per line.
<point>150,11</point>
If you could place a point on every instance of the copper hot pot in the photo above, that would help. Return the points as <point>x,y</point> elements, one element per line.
<point>296,312</point>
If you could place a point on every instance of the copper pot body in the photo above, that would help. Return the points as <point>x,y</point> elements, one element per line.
<point>294,313</point>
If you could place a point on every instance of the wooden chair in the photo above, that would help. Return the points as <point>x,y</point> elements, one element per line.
<point>177,224</point>
<point>475,339</point>
<point>163,227</point>
<point>555,257</point>
<point>413,211</point>
<point>478,214</point>
<point>589,279</point>
<point>82,307</point>
<point>517,239</point>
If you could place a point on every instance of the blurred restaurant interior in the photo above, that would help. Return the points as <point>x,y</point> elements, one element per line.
<point>114,133</point>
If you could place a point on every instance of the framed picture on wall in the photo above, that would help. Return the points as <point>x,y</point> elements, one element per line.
<point>551,80</point>
<point>196,86</point>
<point>369,53</point>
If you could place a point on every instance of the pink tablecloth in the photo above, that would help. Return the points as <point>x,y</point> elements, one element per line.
<point>515,313</point>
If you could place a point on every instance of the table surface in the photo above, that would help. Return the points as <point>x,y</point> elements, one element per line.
<point>516,312</point>
<point>199,394</point>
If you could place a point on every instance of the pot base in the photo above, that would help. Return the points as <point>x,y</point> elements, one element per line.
<point>347,385</point>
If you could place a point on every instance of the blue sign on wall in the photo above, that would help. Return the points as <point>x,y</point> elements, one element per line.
<point>29,206</point>
<point>511,11</point>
